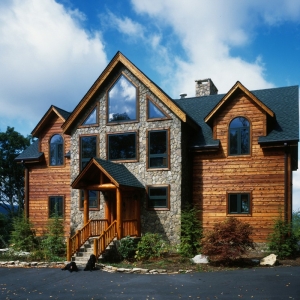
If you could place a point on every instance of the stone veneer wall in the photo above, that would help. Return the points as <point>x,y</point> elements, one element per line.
<point>165,222</point>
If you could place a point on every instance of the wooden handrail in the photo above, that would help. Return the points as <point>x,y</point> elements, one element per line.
<point>105,239</point>
<point>92,228</point>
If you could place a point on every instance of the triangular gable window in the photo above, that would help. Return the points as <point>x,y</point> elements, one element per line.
<point>155,112</point>
<point>92,118</point>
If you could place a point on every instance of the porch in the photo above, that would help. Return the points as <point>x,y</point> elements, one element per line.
<point>122,197</point>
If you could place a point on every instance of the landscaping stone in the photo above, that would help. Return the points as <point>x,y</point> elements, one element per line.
<point>269,260</point>
<point>200,259</point>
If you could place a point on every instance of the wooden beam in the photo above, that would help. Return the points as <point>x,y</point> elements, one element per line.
<point>101,187</point>
<point>119,214</point>
<point>86,207</point>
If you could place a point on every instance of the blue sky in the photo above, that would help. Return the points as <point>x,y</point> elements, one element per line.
<point>52,51</point>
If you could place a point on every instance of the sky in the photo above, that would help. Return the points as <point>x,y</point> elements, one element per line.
<point>51,52</point>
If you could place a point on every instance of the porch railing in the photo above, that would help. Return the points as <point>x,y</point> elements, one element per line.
<point>130,227</point>
<point>106,235</point>
<point>92,228</point>
<point>105,239</point>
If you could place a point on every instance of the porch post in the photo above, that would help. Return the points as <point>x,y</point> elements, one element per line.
<point>86,207</point>
<point>119,214</point>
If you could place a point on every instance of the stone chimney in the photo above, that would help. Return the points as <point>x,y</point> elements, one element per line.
<point>205,87</point>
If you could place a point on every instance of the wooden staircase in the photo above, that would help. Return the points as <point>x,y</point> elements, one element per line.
<point>101,234</point>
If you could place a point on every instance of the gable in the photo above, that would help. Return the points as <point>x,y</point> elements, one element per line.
<point>52,113</point>
<point>238,88</point>
<point>121,61</point>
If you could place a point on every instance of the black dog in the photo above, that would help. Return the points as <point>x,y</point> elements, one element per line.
<point>71,267</point>
<point>90,266</point>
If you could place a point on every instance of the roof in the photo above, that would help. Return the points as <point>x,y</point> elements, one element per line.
<point>118,59</point>
<point>283,102</point>
<point>61,113</point>
<point>31,153</point>
<point>118,174</point>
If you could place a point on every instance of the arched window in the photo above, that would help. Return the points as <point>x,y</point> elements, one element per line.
<point>239,131</point>
<point>56,150</point>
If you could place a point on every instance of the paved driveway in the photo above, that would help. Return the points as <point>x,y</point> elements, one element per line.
<point>46,283</point>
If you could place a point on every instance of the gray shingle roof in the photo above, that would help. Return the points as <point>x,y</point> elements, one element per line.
<point>282,101</point>
<point>120,173</point>
<point>30,153</point>
<point>65,114</point>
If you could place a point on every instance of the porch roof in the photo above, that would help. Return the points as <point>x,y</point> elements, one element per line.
<point>114,173</point>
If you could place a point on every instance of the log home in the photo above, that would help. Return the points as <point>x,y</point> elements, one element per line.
<point>128,158</point>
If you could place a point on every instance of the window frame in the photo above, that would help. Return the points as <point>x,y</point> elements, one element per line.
<point>136,104</point>
<point>158,186</point>
<point>91,208</point>
<point>80,148</point>
<point>239,205</point>
<point>166,116</point>
<point>51,214</point>
<point>63,150</point>
<point>149,156</point>
<point>239,154</point>
<point>136,146</point>
<point>96,108</point>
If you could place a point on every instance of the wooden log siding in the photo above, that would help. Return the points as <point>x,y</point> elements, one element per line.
<point>48,181</point>
<point>261,173</point>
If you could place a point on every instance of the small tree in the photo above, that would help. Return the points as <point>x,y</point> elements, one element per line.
<point>53,244</point>
<point>296,224</point>
<point>23,236</point>
<point>228,241</point>
<point>191,233</point>
<point>282,240</point>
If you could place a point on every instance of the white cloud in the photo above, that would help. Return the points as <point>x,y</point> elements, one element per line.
<point>207,32</point>
<point>46,58</point>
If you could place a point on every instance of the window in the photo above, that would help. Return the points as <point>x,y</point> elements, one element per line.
<point>239,203</point>
<point>122,101</point>
<point>158,149</point>
<point>92,118</point>
<point>88,149</point>
<point>56,150</point>
<point>56,206</point>
<point>155,112</point>
<point>93,199</point>
<point>239,143</point>
<point>122,146</point>
<point>158,197</point>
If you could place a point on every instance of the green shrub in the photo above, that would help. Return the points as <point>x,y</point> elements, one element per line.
<point>282,241</point>
<point>53,244</point>
<point>5,229</point>
<point>150,246</point>
<point>296,224</point>
<point>127,247</point>
<point>191,233</point>
<point>228,241</point>
<point>23,236</point>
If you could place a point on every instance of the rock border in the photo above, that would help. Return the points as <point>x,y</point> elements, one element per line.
<point>105,268</point>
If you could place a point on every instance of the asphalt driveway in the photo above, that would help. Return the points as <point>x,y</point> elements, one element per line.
<point>48,283</point>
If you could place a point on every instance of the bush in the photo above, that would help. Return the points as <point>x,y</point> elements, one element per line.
<point>150,246</point>
<point>127,247</point>
<point>228,241</point>
<point>5,229</point>
<point>191,233</point>
<point>296,224</point>
<point>53,245</point>
<point>282,240</point>
<point>23,236</point>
